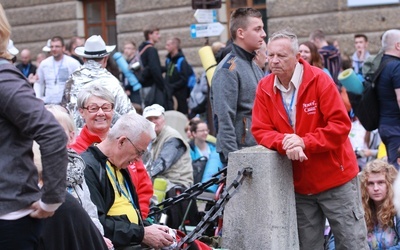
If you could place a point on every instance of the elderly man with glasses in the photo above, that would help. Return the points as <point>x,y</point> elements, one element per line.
<point>110,187</point>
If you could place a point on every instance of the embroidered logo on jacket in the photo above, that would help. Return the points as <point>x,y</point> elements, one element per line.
<point>310,108</point>
<point>230,63</point>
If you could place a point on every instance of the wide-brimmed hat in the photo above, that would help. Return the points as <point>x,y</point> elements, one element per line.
<point>11,48</point>
<point>95,47</point>
<point>46,48</point>
<point>153,110</point>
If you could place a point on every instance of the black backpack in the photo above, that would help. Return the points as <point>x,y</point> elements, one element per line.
<point>366,105</point>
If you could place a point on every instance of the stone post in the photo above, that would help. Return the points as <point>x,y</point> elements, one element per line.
<point>262,214</point>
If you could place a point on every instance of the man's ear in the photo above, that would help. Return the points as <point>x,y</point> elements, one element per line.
<point>240,33</point>
<point>397,46</point>
<point>121,140</point>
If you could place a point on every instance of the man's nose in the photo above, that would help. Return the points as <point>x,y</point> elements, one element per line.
<point>263,34</point>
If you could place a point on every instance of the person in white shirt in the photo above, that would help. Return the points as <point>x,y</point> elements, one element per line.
<point>53,73</point>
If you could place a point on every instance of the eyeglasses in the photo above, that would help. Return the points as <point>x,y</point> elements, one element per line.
<point>93,108</point>
<point>139,153</point>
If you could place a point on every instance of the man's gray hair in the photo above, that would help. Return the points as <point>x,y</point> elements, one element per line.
<point>390,38</point>
<point>133,126</point>
<point>286,34</point>
<point>93,89</point>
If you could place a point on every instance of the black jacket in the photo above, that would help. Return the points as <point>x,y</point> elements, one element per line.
<point>117,228</point>
<point>152,77</point>
<point>31,69</point>
<point>151,62</point>
<point>23,119</point>
<point>178,80</point>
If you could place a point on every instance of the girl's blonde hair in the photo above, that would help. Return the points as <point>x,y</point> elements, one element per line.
<point>5,32</point>
<point>384,214</point>
<point>62,116</point>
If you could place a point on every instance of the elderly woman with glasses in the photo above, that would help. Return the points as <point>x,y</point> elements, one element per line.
<point>96,106</point>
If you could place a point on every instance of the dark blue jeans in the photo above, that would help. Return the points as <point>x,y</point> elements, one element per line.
<point>21,234</point>
<point>390,136</point>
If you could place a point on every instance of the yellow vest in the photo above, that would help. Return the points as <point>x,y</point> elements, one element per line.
<point>123,202</point>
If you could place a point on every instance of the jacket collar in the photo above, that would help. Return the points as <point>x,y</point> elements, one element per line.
<point>308,75</point>
<point>242,53</point>
<point>98,155</point>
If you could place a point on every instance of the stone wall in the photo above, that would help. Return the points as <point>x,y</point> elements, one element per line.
<point>335,18</point>
<point>172,17</point>
<point>34,22</point>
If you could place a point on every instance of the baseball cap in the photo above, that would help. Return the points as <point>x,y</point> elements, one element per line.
<point>153,110</point>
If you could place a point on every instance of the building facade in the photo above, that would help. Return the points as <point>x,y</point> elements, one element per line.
<point>35,21</point>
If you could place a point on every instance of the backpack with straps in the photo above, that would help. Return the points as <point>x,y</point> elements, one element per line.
<point>366,105</point>
<point>192,78</point>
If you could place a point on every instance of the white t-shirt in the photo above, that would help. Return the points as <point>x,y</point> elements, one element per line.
<point>53,76</point>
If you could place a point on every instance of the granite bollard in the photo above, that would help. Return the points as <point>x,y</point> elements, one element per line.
<point>262,214</point>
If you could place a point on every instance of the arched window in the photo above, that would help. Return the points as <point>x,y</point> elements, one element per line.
<point>100,19</point>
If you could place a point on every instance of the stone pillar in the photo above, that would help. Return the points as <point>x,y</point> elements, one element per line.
<point>262,214</point>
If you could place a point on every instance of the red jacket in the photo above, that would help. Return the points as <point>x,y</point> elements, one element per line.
<point>84,140</point>
<point>322,122</point>
<point>137,171</point>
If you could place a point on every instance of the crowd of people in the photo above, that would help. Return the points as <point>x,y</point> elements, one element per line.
<point>83,143</point>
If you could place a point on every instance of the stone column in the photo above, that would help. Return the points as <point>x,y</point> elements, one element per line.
<point>262,214</point>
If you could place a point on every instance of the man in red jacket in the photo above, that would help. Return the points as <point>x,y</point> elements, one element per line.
<point>298,112</point>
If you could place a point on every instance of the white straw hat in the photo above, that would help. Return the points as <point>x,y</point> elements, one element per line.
<point>95,47</point>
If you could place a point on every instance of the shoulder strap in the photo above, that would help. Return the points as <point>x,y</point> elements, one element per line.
<point>382,65</point>
<point>179,63</point>
<point>145,48</point>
